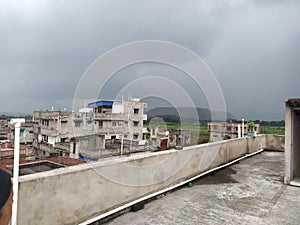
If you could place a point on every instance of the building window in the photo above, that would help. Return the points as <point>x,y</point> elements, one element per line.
<point>153,131</point>
<point>136,111</point>
<point>44,138</point>
<point>120,123</point>
<point>114,123</point>
<point>228,128</point>
<point>100,123</point>
<point>135,123</point>
<point>135,136</point>
<point>77,124</point>
<point>45,122</point>
<point>74,148</point>
<point>63,140</point>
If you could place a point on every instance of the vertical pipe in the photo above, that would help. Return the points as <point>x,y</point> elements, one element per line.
<point>17,123</point>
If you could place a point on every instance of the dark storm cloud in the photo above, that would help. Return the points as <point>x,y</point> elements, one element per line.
<point>252,46</point>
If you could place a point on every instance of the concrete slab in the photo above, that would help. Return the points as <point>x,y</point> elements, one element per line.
<point>250,192</point>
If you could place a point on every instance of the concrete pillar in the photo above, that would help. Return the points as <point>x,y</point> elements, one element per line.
<point>288,145</point>
<point>243,127</point>
<point>239,130</point>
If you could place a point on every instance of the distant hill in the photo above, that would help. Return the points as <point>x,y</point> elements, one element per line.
<point>203,114</point>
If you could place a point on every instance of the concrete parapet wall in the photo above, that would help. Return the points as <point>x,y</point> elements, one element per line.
<point>275,142</point>
<point>74,194</point>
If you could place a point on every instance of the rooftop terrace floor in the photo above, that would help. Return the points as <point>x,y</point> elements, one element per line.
<point>249,192</point>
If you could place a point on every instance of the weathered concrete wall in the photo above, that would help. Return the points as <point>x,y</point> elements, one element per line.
<point>275,142</point>
<point>74,194</point>
<point>288,171</point>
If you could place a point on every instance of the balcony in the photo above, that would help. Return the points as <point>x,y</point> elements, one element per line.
<point>120,117</point>
<point>110,116</point>
<point>112,130</point>
<point>51,115</point>
<point>49,131</point>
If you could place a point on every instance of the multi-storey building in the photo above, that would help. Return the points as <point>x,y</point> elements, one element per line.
<point>117,120</point>
<point>107,119</point>
<point>220,130</point>
<point>50,128</point>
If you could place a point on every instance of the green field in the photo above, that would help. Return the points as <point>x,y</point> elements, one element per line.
<point>200,133</point>
<point>272,130</point>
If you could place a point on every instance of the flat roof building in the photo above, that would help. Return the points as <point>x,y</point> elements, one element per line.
<point>109,120</point>
<point>222,130</point>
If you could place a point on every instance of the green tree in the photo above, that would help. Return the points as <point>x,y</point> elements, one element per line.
<point>251,125</point>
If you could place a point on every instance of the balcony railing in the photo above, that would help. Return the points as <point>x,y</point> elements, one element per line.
<point>111,130</point>
<point>109,116</point>
<point>49,131</point>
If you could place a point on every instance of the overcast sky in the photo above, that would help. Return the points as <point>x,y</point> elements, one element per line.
<point>252,46</point>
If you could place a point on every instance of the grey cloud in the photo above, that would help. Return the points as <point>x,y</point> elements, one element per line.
<point>252,46</point>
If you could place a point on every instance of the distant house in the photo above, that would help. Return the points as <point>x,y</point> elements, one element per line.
<point>179,137</point>
<point>26,133</point>
<point>163,138</point>
<point>159,137</point>
<point>7,151</point>
<point>87,146</point>
<point>222,130</point>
